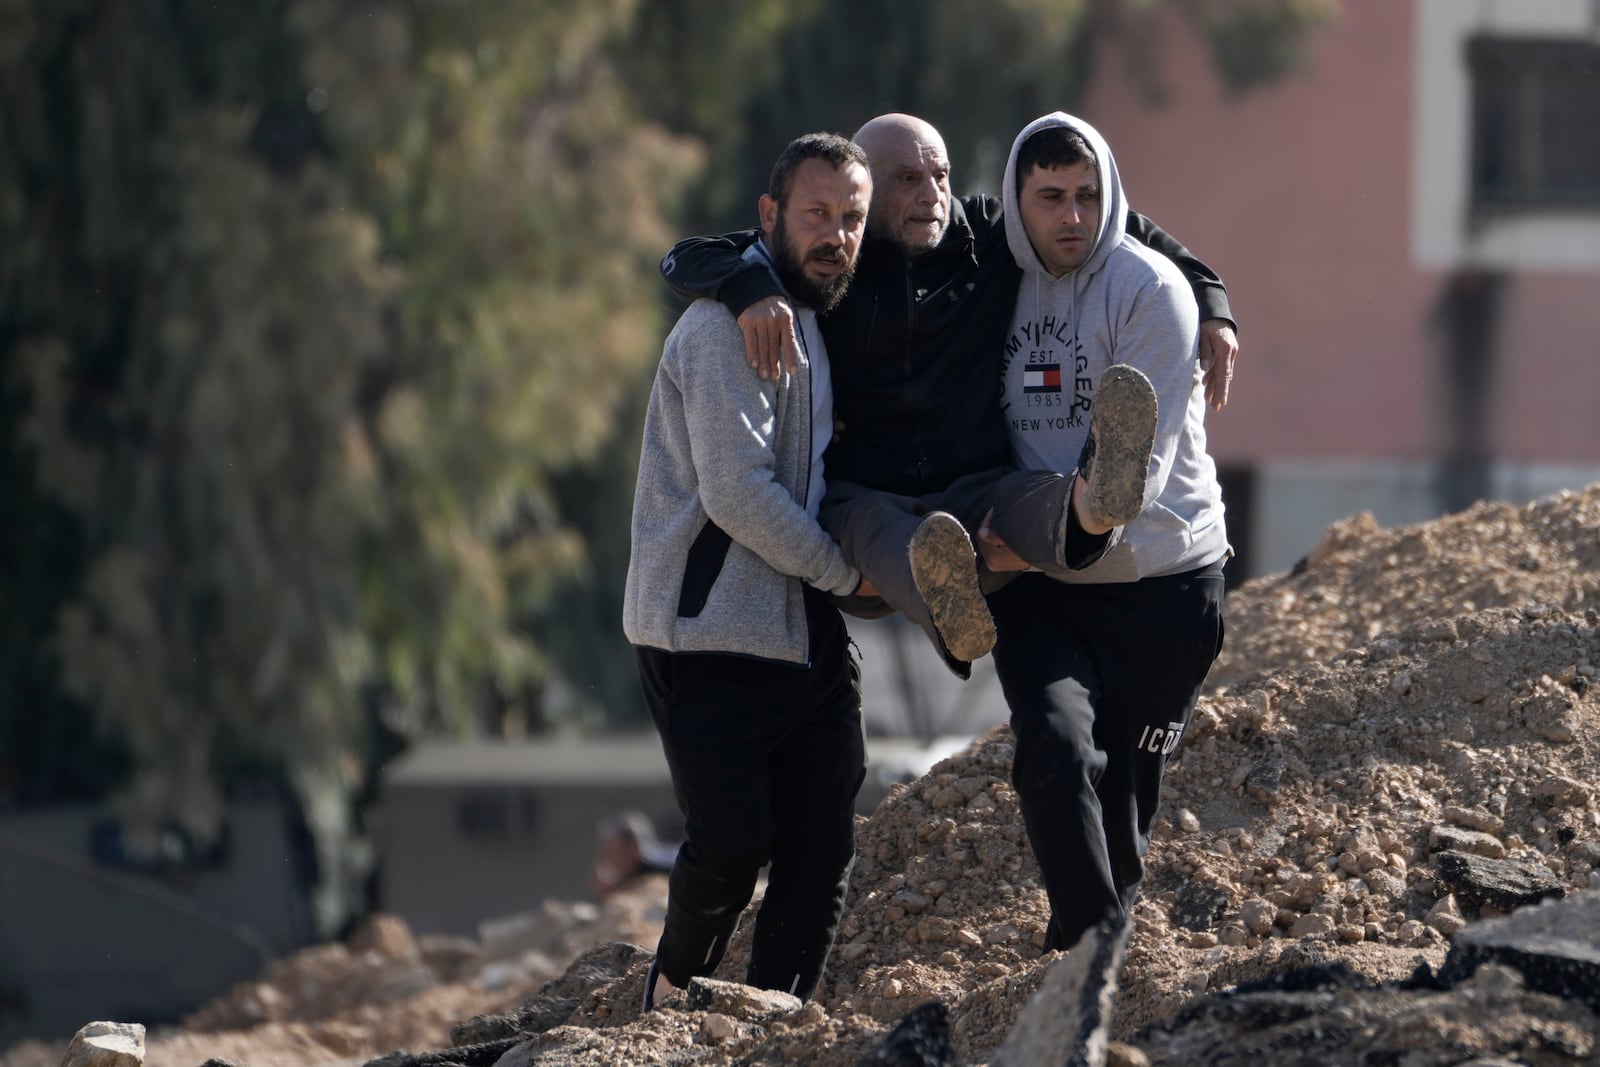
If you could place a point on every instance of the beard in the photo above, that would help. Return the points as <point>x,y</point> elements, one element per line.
<point>822,296</point>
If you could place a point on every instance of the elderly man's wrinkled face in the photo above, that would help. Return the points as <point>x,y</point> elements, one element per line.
<point>911,193</point>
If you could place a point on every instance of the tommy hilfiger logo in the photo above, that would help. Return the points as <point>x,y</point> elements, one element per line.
<point>1042,378</point>
<point>1155,739</point>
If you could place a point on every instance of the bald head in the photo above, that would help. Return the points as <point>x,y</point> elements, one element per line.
<point>894,132</point>
<point>910,181</point>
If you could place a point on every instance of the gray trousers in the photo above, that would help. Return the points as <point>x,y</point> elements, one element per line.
<point>874,529</point>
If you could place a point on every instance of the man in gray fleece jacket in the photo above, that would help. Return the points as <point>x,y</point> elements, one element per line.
<point>743,660</point>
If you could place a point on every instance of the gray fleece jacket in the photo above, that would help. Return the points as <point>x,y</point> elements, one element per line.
<point>1124,304</point>
<point>723,534</point>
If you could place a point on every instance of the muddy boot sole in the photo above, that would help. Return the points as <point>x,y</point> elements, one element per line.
<point>945,570</point>
<point>1116,458</point>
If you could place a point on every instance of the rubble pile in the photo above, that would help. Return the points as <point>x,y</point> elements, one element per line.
<point>1361,580</point>
<point>1379,842</point>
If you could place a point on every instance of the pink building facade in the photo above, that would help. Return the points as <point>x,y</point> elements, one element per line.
<point>1411,239</point>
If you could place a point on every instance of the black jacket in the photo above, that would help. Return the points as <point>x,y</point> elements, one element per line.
<point>915,343</point>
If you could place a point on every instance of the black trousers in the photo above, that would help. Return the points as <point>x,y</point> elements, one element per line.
<point>766,760</point>
<point>1101,681</point>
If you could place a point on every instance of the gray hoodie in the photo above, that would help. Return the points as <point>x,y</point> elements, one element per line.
<point>1124,304</point>
<point>724,513</point>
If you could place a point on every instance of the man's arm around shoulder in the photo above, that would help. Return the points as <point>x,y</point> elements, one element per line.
<point>715,267</point>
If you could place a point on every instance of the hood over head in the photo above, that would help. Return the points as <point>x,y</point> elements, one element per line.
<point>1113,205</point>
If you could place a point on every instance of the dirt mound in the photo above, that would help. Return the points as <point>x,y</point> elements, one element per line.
<point>1362,580</point>
<point>1308,822</point>
<point>1402,737</point>
<point>1301,824</point>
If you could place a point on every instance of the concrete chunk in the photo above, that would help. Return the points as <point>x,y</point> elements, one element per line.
<point>1502,884</point>
<point>1067,1021</point>
<point>1555,946</point>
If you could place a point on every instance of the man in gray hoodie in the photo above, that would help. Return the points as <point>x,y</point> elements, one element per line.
<point>742,657</point>
<point>1101,665</point>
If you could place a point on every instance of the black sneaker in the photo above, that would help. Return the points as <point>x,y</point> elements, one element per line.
<point>648,1001</point>
<point>945,570</point>
<point>1116,457</point>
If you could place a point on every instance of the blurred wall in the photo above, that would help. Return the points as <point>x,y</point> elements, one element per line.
<point>84,939</point>
<point>1360,339</point>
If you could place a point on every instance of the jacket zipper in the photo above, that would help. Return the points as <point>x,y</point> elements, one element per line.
<point>910,378</point>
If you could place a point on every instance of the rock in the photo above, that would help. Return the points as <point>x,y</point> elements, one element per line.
<point>386,935</point>
<point>1067,1020</point>
<point>1385,885</point>
<point>920,1039</point>
<point>558,998</point>
<point>1555,946</point>
<point>1474,818</point>
<point>1120,1055</point>
<point>1445,916</point>
<point>1328,1014</point>
<point>946,905</point>
<point>717,1028</point>
<point>1199,906</point>
<point>506,936</point>
<point>1502,884</point>
<point>106,1044</point>
<point>1443,838</point>
<point>1563,792</point>
<point>401,983</point>
<point>566,1045</point>
<point>1265,781</point>
<point>452,959</point>
<point>1257,916</point>
<point>739,1000</point>
<point>1314,925</point>
<point>480,1055</point>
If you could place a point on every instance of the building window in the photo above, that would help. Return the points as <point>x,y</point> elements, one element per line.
<point>1535,113</point>
<point>496,814</point>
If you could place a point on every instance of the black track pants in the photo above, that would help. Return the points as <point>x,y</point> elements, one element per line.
<point>766,760</point>
<point>1101,681</point>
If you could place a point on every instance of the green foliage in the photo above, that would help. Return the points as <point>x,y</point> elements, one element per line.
<point>694,65</point>
<point>977,69</point>
<point>521,202</point>
<point>308,309</point>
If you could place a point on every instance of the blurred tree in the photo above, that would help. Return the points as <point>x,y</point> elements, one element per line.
<point>695,65</point>
<point>189,308</point>
<point>307,307</point>
<point>979,69</point>
<point>687,66</point>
